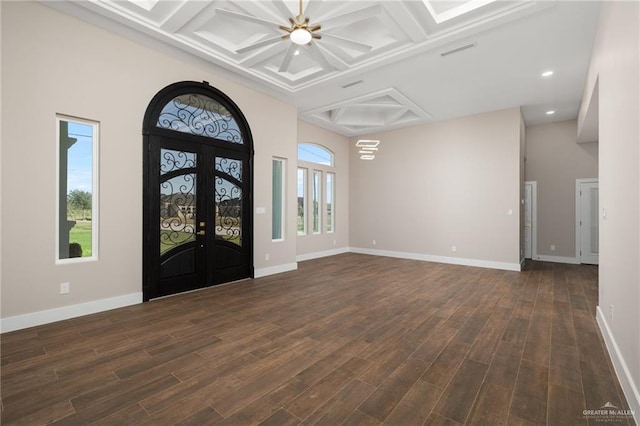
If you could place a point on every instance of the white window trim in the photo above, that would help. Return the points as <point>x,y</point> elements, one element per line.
<point>333,201</point>
<point>283,205</point>
<point>95,210</point>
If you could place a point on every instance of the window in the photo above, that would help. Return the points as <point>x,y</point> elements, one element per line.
<point>317,188</point>
<point>77,212</point>
<point>329,199</point>
<point>302,201</point>
<point>313,153</point>
<point>278,197</point>
<point>200,115</point>
<point>320,202</point>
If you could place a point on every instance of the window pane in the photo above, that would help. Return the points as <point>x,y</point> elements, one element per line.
<point>313,153</point>
<point>317,183</point>
<point>277,201</point>
<point>77,200</point>
<point>200,115</point>
<point>302,201</point>
<point>330,203</point>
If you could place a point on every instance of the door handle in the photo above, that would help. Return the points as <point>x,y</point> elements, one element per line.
<point>201,232</point>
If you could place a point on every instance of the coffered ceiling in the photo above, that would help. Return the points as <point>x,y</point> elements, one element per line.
<point>380,64</point>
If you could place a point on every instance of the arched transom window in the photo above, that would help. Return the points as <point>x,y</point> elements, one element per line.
<point>200,115</point>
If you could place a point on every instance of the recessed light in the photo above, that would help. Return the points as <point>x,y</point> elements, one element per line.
<point>547,73</point>
<point>551,112</point>
<point>296,52</point>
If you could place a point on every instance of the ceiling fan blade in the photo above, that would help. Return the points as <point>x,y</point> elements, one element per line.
<point>248,18</point>
<point>259,44</point>
<point>284,66</point>
<point>312,7</point>
<point>352,17</point>
<point>282,8</point>
<point>315,27</point>
<point>316,36</point>
<point>348,44</point>
<point>319,56</point>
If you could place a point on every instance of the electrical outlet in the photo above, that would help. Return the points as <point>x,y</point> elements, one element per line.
<point>266,256</point>
<point>553,247</point>
<point>335,242</point>
<point>64,288</point>
<point>454,249</point>
<point>374,242</point>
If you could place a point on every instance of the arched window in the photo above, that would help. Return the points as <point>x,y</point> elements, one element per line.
<point>200,115</point>
<point>313,153</point>
<point>316,189</point>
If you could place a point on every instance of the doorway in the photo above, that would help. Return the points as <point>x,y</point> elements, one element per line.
<point>587,225</point>
<point>530,219</point>
<point>197,208</point>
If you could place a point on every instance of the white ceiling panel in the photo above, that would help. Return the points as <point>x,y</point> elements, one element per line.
<point>394,50</point>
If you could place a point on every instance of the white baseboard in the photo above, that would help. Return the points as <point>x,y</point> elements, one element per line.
<point>263,272</point>
<point>440,259</point>
<point>33,319</point>
<point>319,254</point>
<point>556,259</point>
<point>629,388</point>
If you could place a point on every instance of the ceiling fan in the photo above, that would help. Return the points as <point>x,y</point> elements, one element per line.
<point>302,34</point>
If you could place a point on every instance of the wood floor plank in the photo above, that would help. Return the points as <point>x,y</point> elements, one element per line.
<point>491,407</point>
<point>348,339</point>
<point>280,418</point>
<point>530,395</point>
<point>444,367</point>
<point>340,406</point>
<point>263,407</point>
<point>460,394</point>
<point>566,407</point>
<point>393,389</point>
<point>416,406</point>
<point>309,400</point>
<point>565,367</point>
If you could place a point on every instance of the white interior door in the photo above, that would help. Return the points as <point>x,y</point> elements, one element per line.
<point>588,222</point>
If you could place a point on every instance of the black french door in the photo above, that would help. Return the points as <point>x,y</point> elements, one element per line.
<point>197,202</point>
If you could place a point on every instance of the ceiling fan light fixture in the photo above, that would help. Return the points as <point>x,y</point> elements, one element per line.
<point>300,36</point>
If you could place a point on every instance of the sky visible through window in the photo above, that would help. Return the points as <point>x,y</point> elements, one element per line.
<point>315,154</point>
<point>80,158</point>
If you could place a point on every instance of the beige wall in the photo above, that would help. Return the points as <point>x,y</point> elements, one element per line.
<point>615,65</point>
<point>311,245</point>
<point>555,160</point>
<point>53,63</point>
<point>434,186</point>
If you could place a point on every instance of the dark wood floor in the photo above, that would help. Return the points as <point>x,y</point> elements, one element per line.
<point>349,339</point>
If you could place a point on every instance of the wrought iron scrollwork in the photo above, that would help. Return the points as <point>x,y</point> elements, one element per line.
<point>230,167</point>
<point>171,160</point>
<point>228,211</point>
<point>200,115</point>
<point>177,199</point>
